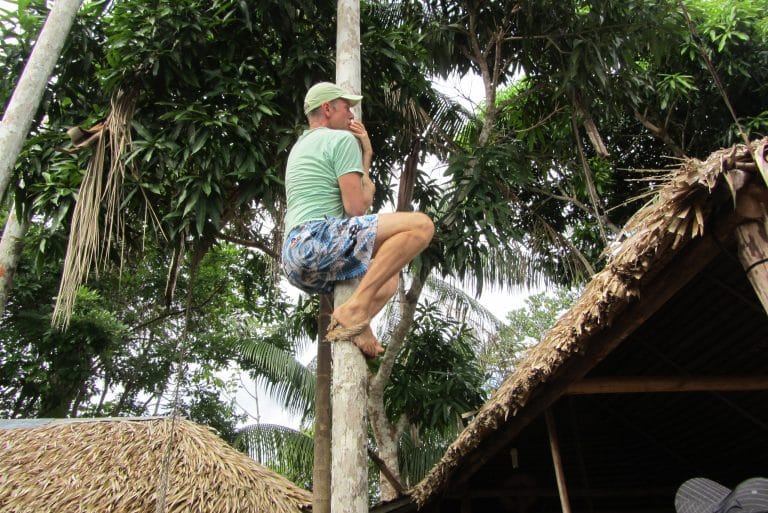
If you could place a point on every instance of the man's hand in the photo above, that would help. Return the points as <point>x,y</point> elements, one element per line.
<point>358,130</point>
<point>357,194</point>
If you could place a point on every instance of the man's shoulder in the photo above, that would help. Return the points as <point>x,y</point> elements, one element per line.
<point>325,137</point>
<point>334,134</point>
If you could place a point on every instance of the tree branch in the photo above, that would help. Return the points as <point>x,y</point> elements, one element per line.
<point>384,469</point>
<point>660,133</point>
<point>260,245</point>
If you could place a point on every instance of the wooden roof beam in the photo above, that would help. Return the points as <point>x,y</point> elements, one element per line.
<point>659,384</point>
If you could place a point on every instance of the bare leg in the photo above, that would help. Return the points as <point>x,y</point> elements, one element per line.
<point>367,341</point>
<point>400,237</point>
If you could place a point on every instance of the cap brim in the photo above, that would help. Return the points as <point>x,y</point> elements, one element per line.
<point>700,495</point>
<point>353,99</point>
<point>751,495</point>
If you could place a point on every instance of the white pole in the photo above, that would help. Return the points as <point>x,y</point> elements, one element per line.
<point>349,463</point>
<point>29,90</point>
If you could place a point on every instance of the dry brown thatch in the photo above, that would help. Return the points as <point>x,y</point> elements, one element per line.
<point>657,232</point>
<point>115,466</point>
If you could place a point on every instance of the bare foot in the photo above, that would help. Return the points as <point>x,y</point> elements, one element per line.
<point>368,343</point>
<point>358,328</point>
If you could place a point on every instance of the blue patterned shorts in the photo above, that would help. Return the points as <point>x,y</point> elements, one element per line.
<point>318,253</point>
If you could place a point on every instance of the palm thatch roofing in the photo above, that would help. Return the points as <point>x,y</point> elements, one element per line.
<point>672,308</point>
<point>116,466</point>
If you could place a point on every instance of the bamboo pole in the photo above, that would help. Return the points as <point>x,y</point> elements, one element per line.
<point>752,203</point>
<point>29,90</point>
<point>753,255</point>
<point>349,475</point>
<point>557,461</point>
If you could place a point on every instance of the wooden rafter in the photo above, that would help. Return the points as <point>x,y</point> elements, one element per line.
<point>658,384</point>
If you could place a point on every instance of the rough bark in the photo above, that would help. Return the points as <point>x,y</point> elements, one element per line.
<point>28,93</point>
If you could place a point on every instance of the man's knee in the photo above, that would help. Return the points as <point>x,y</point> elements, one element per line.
<point>424,225</point>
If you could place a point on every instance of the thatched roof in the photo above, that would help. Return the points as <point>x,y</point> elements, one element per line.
<point>689,202</point>
<point>116,466</point>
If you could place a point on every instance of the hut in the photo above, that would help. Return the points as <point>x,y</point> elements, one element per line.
<point>657,374</point>
<point>116,465</point>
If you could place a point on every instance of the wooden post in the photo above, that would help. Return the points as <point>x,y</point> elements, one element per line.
<point>349,474</point>
<point>557,461</point>
<point>753,240</point>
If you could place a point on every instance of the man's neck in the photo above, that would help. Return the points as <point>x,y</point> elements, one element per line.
<point>315,123</point>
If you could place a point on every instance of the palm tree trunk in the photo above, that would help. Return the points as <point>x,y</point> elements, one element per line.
<point>11,245</point>
<point>29,90</point>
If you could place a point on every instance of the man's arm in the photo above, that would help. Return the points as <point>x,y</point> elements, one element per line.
<point>357,191</point>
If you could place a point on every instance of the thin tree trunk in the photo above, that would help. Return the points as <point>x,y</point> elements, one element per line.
<point>590,127</point>
<point>156,412</point>
<point>660,132</point>
<point>29,91</point>
<point>321,471</point>
<point>78,399</point>
<point>387,434</point>
<point>103,396</point>
<point>589,180</point>
<point>117,409</point>
<point>11,246</point>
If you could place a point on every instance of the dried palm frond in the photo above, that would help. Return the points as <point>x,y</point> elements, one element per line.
<point>88,244</point>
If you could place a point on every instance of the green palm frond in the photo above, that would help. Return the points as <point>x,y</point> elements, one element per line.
<point>286,379</point>
<point>417,457</point>
<point>286,451</point>
<point>454,300</point>
<point>460,305</point>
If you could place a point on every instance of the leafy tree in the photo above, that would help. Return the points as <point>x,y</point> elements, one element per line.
<point>524,328</point>
<point>576,101</point>
<point>118,356</point>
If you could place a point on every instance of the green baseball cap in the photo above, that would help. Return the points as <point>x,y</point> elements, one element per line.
<point>327,92</point>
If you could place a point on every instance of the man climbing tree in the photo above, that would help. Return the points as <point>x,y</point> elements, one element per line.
<point>329,237</point>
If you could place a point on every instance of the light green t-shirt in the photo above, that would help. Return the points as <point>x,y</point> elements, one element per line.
<point>317,160</point>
